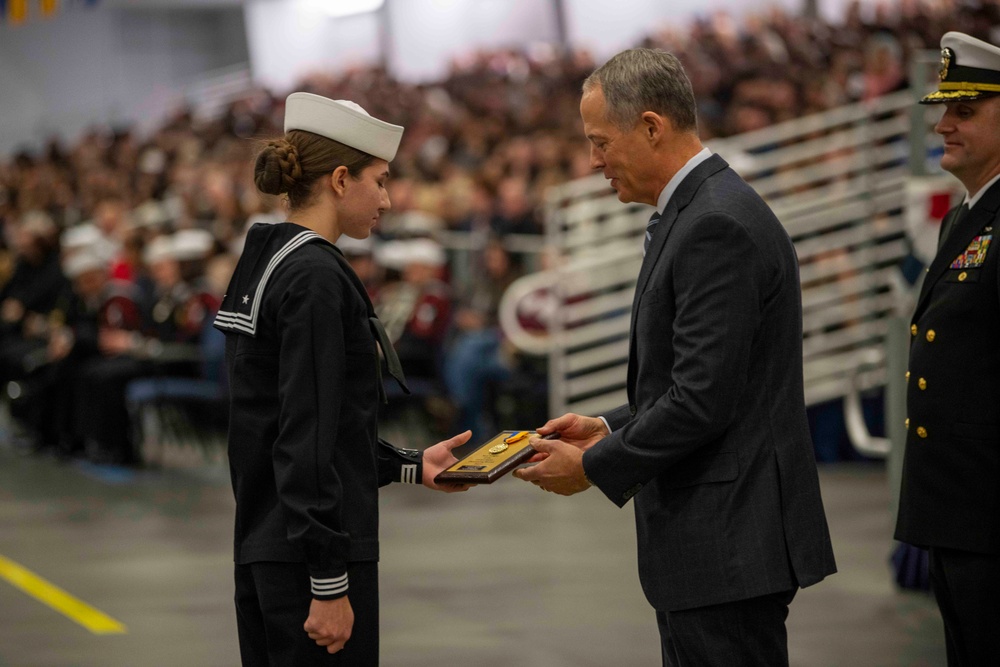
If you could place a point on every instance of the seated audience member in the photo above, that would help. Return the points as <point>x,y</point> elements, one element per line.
<point>417,308</point>
<point>29,299</point>
<point>475,359</point>
<point>166,345</point>
<point>96,303</point>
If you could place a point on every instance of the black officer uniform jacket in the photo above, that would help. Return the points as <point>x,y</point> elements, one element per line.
<point>950,494</point>
<point>714,444</point>
<point>304,455</point>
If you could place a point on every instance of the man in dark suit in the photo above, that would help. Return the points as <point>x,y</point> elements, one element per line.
<point>950,496</point>
<point>713,444</point>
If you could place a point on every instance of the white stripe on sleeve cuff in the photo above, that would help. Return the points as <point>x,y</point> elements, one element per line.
<point>333,586</point>
<point>409,474</point>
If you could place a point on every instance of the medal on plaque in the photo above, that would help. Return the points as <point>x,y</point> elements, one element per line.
<point>492,460</point>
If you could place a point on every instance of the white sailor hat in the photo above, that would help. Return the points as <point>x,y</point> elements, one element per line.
<point>424,251</point>
<point>80,236</point>
<point>159,249</point>
<point>391,255</point>
<point>343,121</point>
<point>192,244</point>
<point>82,261</point>
<point>970,70</point>
<point>150,213</point>
<point>352,247</point>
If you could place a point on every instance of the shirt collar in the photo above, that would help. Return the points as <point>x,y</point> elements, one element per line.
<point>971,201</point>
<point>668,191</point>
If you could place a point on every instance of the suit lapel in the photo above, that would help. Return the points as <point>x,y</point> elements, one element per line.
<point>678,202</point>
<point>958,240</point>
<point>659,239</point>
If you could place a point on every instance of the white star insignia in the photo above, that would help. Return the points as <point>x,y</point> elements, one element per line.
<point>246,299</point>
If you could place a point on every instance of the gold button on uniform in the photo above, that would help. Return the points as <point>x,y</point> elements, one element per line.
<point>922,383</point>
<point>907,423</point>
<point>921,431</point>
<point>930,335</point>
<point>907,375</point>
<point>962,276</point>
<point>913,329</point>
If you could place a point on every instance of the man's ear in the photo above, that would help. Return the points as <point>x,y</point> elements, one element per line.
<point>654,126</point>
<point>338,180</point>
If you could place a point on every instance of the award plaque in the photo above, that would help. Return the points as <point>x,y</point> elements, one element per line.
<point>491,460</point>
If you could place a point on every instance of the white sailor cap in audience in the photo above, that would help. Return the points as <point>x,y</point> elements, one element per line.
<point>391,255</point>
<point>80,236</point>
<point>343,121</point>
<point>82,261</point>
<point>416,223</point>
<point>970,70</point>
<point>159,249</point>
<point>192,244</point>
<point>352,247</point>
<point>424,251</point>
<point>150,214</point>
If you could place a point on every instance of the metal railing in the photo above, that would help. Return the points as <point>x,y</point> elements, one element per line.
<point>215,90</point>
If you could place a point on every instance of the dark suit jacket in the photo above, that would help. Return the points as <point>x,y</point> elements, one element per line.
<point>714,443</point>
<point>950,495</point>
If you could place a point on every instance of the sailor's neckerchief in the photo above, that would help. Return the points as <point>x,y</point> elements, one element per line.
<point>241,303</point>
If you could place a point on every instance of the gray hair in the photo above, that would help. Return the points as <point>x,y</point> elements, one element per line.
<point>640,80</point>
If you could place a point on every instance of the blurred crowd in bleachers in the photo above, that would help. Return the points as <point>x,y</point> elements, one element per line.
<point>116,247</point>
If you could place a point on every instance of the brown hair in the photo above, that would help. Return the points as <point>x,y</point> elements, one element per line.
<point>292,164</point>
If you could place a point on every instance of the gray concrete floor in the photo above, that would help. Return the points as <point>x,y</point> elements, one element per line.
<point>503,575</point>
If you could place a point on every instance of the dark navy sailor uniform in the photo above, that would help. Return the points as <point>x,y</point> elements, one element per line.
<point>303,365</point>
<point>305,459</point>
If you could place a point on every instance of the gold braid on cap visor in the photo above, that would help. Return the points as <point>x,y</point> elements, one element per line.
<point>953,90</point>
<point>951,95</point>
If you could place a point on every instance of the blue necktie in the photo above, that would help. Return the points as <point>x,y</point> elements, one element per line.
<point>653,219</point>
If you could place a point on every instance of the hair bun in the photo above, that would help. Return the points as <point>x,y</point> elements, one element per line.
<point>277,169</point>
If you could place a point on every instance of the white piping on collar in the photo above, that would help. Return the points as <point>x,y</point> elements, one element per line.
<point>236,321</point>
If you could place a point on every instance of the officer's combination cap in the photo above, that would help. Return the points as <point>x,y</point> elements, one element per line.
<point>970,70</point>
<point>343,121</point>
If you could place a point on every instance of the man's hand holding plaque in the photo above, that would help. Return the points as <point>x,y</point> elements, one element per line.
<point>491,460</point>
<point>559,466</point>
<point>573,429</point>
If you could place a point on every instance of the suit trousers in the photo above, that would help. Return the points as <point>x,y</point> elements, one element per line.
<point>745,633</point>
<point>967,588</point>
<point>272,604</point>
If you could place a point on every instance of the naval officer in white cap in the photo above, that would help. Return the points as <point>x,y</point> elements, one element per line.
<point>302,346</point>
<point>950,495</point>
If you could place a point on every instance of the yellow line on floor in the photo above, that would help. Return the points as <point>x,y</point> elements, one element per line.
<point>73,608</point>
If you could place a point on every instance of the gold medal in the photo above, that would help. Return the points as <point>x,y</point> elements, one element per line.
<point>496,449</point>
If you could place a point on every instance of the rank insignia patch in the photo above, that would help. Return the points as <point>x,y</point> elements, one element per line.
<point>975,254</point>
